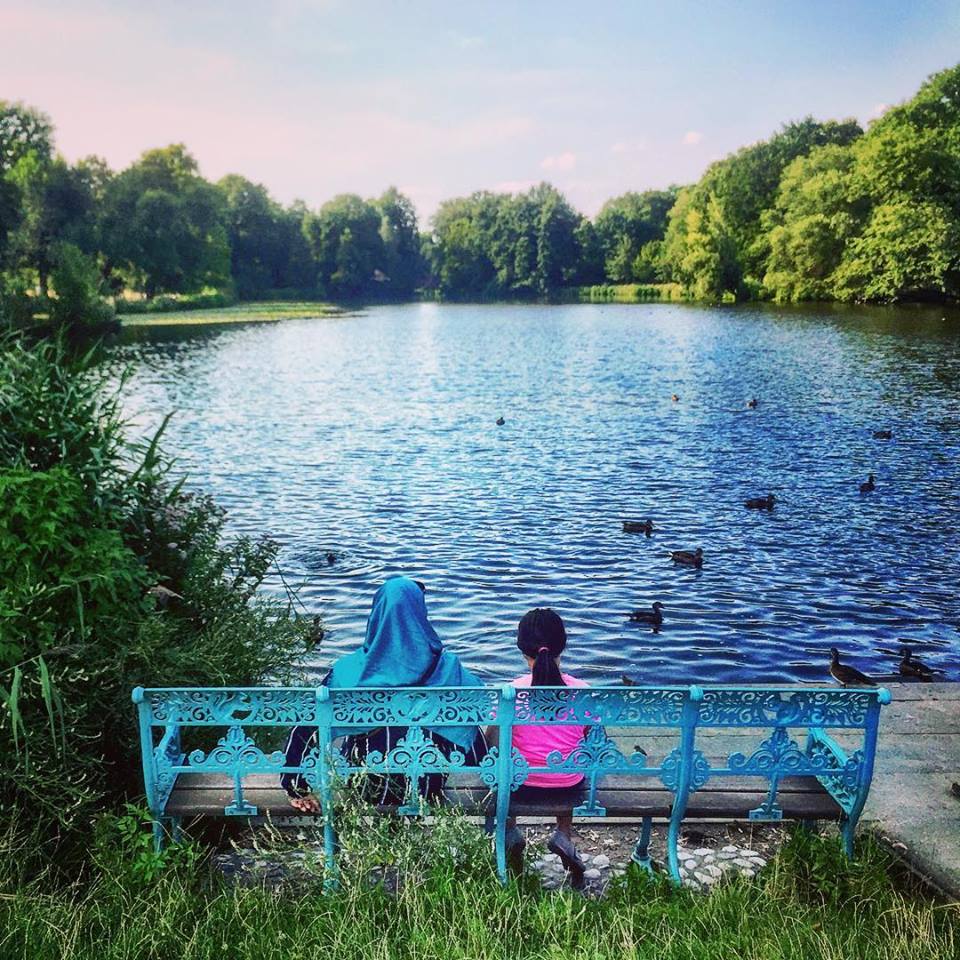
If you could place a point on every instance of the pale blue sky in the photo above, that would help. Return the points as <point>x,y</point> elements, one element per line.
<point>319,97</point>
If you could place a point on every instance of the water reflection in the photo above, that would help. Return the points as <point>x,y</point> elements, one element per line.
<point>374,437</point>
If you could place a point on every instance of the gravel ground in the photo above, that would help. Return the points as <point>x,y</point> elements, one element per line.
<point>708,854</point>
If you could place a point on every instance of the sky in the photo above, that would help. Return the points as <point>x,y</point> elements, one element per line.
<point>443,97</point>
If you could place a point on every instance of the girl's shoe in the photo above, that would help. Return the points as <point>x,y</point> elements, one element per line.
<point>563,847</point>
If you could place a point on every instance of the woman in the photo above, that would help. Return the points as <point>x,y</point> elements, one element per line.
<point>401,649</point>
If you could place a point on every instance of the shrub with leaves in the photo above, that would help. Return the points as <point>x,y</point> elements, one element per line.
<point>111,575</point>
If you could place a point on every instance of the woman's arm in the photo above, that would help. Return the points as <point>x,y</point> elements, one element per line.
<point>295,784</point>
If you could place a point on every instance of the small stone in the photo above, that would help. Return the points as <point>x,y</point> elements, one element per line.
<point>690,864</point>
<point>713,870</point>
<point>702,851</point>
<point>709,858</point>
<point>743,862</point>
<point>729,848</point>
<point>758,861</point>
<point>727,853</point>
<point>602,861</point>
<point>749,853</point>
<point>749,874</point>
<point>552,857</point>
<point>617,872</point>
<point>683,872</point>
<point>549,883</point>
<point>705,878</point>
<point>592,874</point>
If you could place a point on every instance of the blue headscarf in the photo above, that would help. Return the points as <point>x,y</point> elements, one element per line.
<point>401,649</point>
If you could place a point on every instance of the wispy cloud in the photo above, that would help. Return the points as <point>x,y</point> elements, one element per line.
<point>692,137</point>
<point>561,162</point>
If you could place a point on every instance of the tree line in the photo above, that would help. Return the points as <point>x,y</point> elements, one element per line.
<point>820,210</point>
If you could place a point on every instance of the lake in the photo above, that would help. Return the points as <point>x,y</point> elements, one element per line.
<point>374,436</point>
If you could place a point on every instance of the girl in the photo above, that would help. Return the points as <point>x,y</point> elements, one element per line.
<point>542,637</point>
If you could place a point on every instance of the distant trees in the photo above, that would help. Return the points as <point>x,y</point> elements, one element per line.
<point>820,210</point>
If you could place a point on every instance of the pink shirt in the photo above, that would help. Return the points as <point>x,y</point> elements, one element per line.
<point>536,742</point>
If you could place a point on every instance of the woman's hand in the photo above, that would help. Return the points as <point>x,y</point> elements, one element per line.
<point>307,804</point>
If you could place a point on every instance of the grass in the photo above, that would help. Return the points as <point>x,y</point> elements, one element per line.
<point>809,903</point>
<point>627,293</point>
<point>239,313</point>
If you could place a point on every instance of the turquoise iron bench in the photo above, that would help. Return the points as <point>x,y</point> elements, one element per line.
<point>763,753</point>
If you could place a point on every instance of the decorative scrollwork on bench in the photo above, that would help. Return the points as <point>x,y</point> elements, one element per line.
<point>280,706</point>
<point>376,708</point>
<point>670,770</point>
<point>414,754</point>
<point>490,765</point>
<point>761,708</point>
<point>236,752</point>
<point>627,707</point>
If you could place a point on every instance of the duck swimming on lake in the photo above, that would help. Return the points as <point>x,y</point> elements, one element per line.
<point>653,616</point>
<point>752,403</point>
<point>500,421</point>
<point>675,398</point>
<point>882,434</point>
<point>638,526</point>
<point>869,486</point>
<point>910,666</point>
<point>846,675</point>
<point>689,558</point>
<point>761,503</point>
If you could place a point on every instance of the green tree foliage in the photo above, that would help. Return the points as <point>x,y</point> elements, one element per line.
<point>163,225</point>
<point>495,245</point>
<point>625,226</point>
<point>399,234</point>
<point>344,237</point>
<point>715,242</point>
<point>90,530</point>
<point>268,250</point>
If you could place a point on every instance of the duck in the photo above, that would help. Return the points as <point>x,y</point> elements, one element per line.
<point>675,398</point>
<point>689,558</point>
<point>627,681</point>
<point>638,526</point>
<point>910,666</point>
<point>761,503</point>
<point>500,421</point>
<point>846,675</point>
<point>882,434</point>
<point>869,486</point>
<point>752,403</point>
<point>315,633</point>
<point>331,558</point>
<point>653,616</point>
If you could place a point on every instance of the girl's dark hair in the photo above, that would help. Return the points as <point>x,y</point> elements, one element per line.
<point>542,635</point>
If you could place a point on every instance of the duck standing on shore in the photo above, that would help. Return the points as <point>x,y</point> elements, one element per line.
<point>846,675</point>
<point>761,503</point>
<point>653,616</point>
<point>688,558</point>
<point>869,486</point>
<point>638,526</point>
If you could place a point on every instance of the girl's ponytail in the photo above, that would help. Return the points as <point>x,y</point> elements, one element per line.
<point>542,636</point>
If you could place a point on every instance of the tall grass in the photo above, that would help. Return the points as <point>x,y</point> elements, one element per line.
<point>810,903</point>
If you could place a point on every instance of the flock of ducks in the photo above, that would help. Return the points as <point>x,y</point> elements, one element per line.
<point>845,674</point>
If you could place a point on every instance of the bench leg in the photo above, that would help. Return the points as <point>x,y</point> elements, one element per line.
<point>673,840</point>
<point>847,830</point>
<point>641,851</point>
<point>331,877</point>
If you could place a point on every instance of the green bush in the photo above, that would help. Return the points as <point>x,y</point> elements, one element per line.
<point>172,304</point>
<point>110,576</point>
<point>77,283</point>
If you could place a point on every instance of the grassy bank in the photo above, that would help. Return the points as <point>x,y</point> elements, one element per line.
<point>624,293</point>
<point>810,903</point>
<point>237,313</point>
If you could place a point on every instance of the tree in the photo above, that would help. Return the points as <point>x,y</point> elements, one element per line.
<point>736,192</point>
<point>626,224</point>
<point>23,131</point>
<point>401,242</point>
<point>164,225</point>
<point>817,211</point>
<point>353,224</point>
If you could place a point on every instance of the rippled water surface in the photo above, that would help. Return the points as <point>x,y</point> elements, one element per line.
<point>373,436</point>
